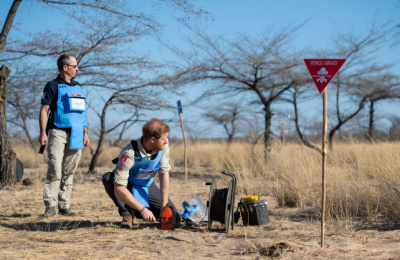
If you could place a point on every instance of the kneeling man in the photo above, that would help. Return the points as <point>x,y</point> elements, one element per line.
<point>131,185</point>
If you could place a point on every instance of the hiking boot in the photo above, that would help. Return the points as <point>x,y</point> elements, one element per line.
<point>127,221</point>
<point>50,211</point>
<point>66,212</point>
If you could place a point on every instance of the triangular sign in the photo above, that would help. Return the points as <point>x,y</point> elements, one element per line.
<point>323,70</point>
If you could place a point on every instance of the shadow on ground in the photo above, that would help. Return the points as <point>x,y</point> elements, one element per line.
<point>57,225</point>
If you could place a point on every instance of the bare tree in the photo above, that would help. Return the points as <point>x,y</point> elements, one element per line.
<point>8,23</point>
<point>227,115</point>
<point>8,159</point>
<point>94,47</point>
<point>23,95</point>
<point>101,48</point>
<point>257,68</point>
<point>348,113</point>
<point>124,127</point>
<point>358,49</point>
<point>381,87</point>
<point>136,98</point>
<point>294,96</point>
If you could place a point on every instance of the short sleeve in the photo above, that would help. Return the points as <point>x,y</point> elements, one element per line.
<point>165,162</point>
<point>48,94</point>
<point>126,161</point>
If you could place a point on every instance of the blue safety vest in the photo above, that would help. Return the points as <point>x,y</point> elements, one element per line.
<point>71,113</point>
<point>141,175</point>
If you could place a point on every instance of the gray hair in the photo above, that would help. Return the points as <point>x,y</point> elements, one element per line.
<point>63,60</point>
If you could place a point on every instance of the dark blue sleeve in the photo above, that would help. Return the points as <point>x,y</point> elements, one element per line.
<point>48,94</point>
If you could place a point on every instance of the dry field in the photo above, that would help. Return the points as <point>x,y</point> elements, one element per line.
<point>362,208</point>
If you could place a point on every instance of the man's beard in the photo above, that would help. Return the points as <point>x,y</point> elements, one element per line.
<point>160,147</point>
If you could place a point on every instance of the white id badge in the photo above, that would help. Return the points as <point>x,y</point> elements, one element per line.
<point>146,175</point>
<point>77,103</point>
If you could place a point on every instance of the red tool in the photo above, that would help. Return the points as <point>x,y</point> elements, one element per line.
<point>168,218</point>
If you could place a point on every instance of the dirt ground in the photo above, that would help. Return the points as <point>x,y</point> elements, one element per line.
<point>96,232</point>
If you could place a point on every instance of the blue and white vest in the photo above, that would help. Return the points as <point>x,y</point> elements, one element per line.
<point>141,175</point>
<point>71,112</point>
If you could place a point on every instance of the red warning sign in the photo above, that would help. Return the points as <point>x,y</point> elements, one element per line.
<point>323,70</point>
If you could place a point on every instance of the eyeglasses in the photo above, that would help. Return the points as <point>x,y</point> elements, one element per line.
<point>73,66</point>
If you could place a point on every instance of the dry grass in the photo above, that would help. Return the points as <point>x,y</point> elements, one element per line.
<point>362,201</point>
<point>363,180</point>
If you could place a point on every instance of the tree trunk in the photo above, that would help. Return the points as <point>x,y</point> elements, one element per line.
<point>230,139</point>
<point>267,131</point>
<point>330,138</point>
<point>371,133</point>
<point>96,155</point>
<point>8,160</point>
<point>303,139</point>
<point>102,136</point>
<point>99,148</point>
<point>104,131</point>
<point>337,105</point>
<point>8,23</point>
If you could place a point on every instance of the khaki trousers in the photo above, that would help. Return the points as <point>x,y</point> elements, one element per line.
<point>61,168</point>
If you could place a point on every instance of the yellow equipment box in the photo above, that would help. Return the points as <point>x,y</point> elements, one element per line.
<point>250,198</point>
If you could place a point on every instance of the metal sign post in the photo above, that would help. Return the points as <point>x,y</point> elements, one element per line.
<point>322,72</point>
<point>184,137</point>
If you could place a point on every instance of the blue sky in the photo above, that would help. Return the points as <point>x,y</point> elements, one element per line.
<point>325,18</point>
<point>251,16</point>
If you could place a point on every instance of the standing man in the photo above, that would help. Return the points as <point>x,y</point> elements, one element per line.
<point>67,133</point>
<point>131,185</point>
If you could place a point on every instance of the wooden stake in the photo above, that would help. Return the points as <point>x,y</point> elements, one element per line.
<point>324,155</point>
<point>185,147</point>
